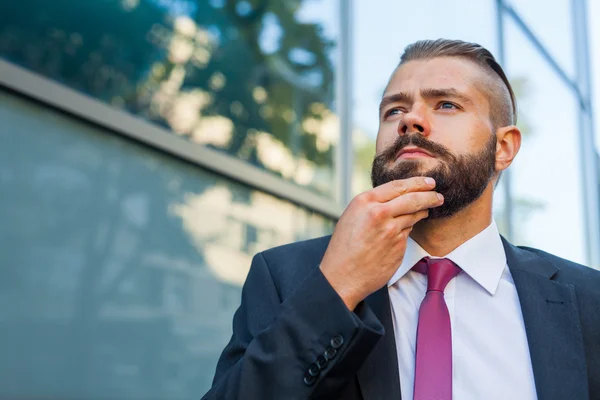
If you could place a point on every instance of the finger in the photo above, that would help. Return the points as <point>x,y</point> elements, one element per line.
<point>399,187</point>
<point>405,233</point>
<point>407,221</point>
<point>411,203</point>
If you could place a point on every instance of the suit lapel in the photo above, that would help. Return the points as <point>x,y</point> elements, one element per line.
<point>378,377</point>
<point>552,325</point>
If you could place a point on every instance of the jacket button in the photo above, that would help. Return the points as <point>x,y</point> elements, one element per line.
<point>309,380</point>
<point>337,341</point>
<point>330,353</point>
<point>321,362</point>
<point>314,370</point>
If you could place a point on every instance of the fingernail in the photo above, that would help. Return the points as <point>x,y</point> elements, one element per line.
<point>430,181</point>
<point>440,197</point>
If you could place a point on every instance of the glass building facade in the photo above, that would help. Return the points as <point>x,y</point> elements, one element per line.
<point>149,148</point>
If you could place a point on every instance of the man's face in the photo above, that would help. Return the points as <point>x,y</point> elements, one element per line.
<point>434,121</point>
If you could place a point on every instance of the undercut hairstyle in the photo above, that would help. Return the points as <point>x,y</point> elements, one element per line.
<point>497,88</point>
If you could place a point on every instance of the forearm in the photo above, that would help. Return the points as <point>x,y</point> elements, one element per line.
<point>304,331</point>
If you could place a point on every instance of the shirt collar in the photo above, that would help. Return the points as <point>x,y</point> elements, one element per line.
<point>482,258</point>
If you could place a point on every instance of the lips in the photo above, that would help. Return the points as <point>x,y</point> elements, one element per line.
<point>413,152</point>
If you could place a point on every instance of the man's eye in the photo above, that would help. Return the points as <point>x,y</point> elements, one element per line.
<point>393,111</point>
<point>447,106</point>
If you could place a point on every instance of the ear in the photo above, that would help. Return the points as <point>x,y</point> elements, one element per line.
<point>508,143</point>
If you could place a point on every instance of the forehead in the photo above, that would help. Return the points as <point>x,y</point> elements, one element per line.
<point>441,73</point>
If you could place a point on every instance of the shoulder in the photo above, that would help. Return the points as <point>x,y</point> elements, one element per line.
<point>291,263</point>
<point>311,248</point>
<point>568,271</point>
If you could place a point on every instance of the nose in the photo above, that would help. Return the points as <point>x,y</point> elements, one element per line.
<point>414,121</point>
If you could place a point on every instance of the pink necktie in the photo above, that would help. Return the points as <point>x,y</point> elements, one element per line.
<point>433,366</point>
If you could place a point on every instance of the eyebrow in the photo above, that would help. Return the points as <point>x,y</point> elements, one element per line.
<point>425,93</point>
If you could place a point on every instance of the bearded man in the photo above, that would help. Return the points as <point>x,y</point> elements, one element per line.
<point>416,295</point>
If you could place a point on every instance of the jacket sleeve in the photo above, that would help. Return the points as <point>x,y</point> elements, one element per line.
<point>308,345</point>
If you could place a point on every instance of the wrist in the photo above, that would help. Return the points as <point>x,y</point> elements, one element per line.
<point>345,291</point>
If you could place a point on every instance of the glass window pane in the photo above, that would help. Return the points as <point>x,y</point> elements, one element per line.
<point>254,79</point>
<point>594,49</point>
<point>551,24</point>
<point>121,266</point>
<point>547,191</point>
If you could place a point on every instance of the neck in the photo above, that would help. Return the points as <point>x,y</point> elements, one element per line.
<point>440,237</point>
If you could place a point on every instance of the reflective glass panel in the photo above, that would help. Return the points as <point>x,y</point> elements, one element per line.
<point>546,179</point>
<point>120,267</point>
<point>594,49</point>
<point>551,23</point>
<point>252,78</point>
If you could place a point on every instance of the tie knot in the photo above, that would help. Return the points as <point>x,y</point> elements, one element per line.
<point>439,272</point>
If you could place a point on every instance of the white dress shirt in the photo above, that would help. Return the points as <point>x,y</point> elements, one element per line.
<point>490,356</point>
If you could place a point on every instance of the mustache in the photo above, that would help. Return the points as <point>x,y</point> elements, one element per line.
<point>419,141</point>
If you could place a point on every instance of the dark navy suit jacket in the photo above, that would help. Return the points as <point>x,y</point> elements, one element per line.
<point>293,337</point>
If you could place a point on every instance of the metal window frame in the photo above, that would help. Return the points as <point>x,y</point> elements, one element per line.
<point>344,97</point>
<point>581,88</point>
<point>543,51</point>
<point>64,99</point>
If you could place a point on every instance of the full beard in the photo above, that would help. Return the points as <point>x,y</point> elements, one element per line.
<point>460,179</point>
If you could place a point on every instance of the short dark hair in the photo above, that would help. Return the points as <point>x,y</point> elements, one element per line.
<point>503,105</point>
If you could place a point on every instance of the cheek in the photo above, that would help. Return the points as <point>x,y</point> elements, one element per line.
<point>385,138</point>
<point>460,134</point>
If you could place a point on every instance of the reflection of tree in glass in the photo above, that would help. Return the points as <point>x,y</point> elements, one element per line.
<point>246,77</point>
<point>135,55</point>
<point>126,260</point>
<point>98,220</point>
